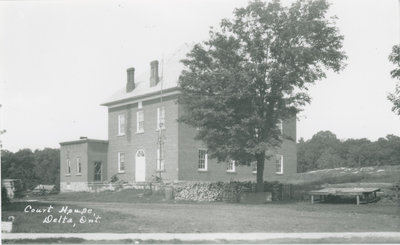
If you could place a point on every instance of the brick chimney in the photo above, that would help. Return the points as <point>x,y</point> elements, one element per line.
<point>154,79</point>
<point>130,85</point>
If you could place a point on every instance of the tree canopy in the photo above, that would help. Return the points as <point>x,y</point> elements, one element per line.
<point>394,97</point>
<point>33,168</point>
<point>252,72</point>
<point>325,150</point>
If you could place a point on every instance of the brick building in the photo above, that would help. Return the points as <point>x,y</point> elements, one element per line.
<point>145,141</point>
<point>82,161</point>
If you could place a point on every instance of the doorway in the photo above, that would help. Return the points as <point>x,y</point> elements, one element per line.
<point>140,172</point>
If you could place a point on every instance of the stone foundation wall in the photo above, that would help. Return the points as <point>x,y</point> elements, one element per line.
<point>73,186</point>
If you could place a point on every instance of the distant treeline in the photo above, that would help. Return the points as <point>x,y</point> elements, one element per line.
<point>32,167</point>
<point>325,150</point>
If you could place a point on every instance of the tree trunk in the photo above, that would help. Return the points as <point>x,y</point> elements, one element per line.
<point>260,172</point>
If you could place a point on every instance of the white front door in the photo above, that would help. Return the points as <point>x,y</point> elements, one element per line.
<point>140,173</point>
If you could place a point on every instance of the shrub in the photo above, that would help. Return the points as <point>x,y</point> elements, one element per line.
<point>4,196</point>
<point>114,178</point>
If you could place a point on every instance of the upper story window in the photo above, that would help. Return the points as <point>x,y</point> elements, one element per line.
<point>279,164</point>
<point>68,167</point>
<point>78,166</point>
<point>121,124</point>
<point>231,166</point>
<point>139,122</point>
<point>161,117</point>
<point>160,157</point>
<point>203,161</point>
<point>140,105</point>
<point>121,162</point>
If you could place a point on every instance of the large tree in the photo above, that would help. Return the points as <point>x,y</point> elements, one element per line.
<point>33,168</point>
<point>47,166</point>
<point>323,150</point>
<point>254,71</point>
<point>394,57</point>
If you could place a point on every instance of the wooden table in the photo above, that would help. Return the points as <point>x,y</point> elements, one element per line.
<point>367,194</point>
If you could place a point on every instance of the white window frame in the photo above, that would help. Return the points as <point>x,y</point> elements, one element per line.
<point>254,168</point>
<point>121,124</point>
<point>68,167</point>
<point>139,129</point>
<point>78,166</point>
<point>280,125</point>
<point>119,162</point>
<point>160,118</point>
<point>231,166</point>
<point>160,158</point>
<point>205,160</point>
<point>140,105</point>
<point>279,160</point>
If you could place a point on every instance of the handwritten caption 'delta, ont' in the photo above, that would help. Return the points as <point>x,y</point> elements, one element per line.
<point>65,215</point>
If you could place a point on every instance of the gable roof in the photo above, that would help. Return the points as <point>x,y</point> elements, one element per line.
<point>169,72</point>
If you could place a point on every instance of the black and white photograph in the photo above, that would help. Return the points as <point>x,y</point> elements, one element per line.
<point>200,121</point>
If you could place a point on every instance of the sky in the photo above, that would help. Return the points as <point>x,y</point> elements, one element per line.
<point>61,59</point>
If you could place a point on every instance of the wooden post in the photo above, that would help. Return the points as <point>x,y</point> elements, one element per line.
<point>358,200</point>
<point>312,199</point>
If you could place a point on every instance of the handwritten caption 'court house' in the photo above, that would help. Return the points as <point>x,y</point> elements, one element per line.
<point>65,215</point>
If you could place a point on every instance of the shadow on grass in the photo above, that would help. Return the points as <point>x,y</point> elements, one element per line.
<point>45,241</point>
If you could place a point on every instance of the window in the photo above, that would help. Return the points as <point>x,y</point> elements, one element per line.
<point>254,167</point>
<point>78,166</point>
<point>121,124</point>
<point>279,164</point>
<point>68,167</point>
<point>202,160</point>
<point>140,105</point>
<point>161,118</point>
<point>97,171</point>
<point>280,126</point>
<point>231,166</point>
<point>140,122</point>
<point>160,157</point>
<point>121,162</point>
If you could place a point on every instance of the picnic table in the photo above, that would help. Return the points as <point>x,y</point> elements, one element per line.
<point>366,194</point>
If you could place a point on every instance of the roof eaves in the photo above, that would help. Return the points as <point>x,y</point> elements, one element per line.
<point>81,141</point>
<point>142,96</point>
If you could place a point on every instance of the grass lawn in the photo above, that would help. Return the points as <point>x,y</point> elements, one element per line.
<point>124,196</point>
<point>129,211</point>
<point>376,174</point>
<point>127,217</point>
<point>28,222</point>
